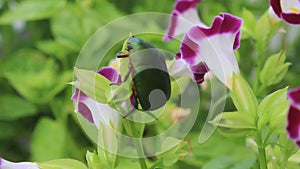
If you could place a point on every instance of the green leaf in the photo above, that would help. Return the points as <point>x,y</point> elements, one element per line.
<point>93,161</point>
<point>35,76</point>
<point>61,107</point>
<point>245,164</point>
<point>13,107</point>
<point>274,69</point>
<point>51,47</point>
<point>62,164</point>
<point>226,163</point>
<point>273,110</point>
<point>243,97</point>
<point>48,140</point>
<point>32,10</point>
<point>83,23</point>
<point>249,23</point>
<point>109,13</point>
<point>92,84</point>
<point>171,151</point>
<point>229,163</point>
<point>237,120</point>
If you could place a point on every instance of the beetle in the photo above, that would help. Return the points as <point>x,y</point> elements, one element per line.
<point>151,85</point>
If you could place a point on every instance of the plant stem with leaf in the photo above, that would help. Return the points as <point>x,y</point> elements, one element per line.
<point>138,144</point>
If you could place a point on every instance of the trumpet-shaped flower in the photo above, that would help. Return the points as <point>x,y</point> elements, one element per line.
<point>183,17</point>
<point>293,120</point>
<point>4,164</point>
<point>205,48</point>
<point>214,46</point>
<point>288,10</point>
<point>94,111</point>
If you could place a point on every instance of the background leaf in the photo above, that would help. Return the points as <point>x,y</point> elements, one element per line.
<point>48,140</point>
<point>32,10</point>
<point>13,107</point>
<point>35,76</point>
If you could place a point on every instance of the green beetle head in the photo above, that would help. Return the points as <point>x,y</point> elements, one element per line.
<point>131,43</point>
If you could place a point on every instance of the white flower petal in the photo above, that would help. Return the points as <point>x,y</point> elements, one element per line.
<point>4,164</point>
<point>102,113</point>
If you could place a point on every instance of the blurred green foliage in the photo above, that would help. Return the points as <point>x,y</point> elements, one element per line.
<point>39,43</point>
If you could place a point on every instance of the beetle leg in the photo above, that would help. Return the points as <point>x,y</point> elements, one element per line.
<point>127,75</point>
<point>148,113</point>
<point>129,113</point>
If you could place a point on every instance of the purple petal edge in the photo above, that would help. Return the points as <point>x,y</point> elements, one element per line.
<point>111,74</point>
<point>293,118</point>
<point>291,18</point>
<point>293,124</point>
<point>85,112</point>
<point>189,50</point>
<point>180,7</point>
<point>171,28</point>
<point>183,5</point>
<point>294,96</point>
<point>275,4</point>
<point>78,97</point>
<point>199,72</point>
<point>225,23</point>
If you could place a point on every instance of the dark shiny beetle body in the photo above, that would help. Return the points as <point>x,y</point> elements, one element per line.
<point>151,81</point>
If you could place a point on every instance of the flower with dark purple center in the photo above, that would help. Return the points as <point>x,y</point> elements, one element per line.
<point>293,119</point>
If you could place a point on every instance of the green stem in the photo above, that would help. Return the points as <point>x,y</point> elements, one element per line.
<point>261,151</point>
<point>138,144</point>
<point>258,70</point>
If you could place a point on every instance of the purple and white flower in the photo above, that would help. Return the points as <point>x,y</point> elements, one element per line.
<point>94,111</point>
<point>183,17</point>
<point>204,48</point>
<point>4,164</point>
<point>214,46</point>
<point>287,10</point>
<point>293,119</point>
